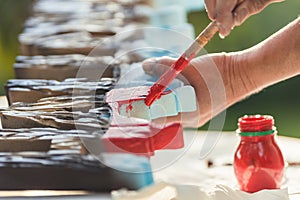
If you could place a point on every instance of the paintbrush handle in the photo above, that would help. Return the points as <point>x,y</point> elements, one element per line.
<point>202,39</point>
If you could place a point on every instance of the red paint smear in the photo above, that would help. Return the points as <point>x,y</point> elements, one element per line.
<point>128,103</point>
<point>133,139</point>
<point>158,88</point>
<point>129,106</point>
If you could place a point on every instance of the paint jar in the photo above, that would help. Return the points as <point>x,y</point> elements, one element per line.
<point>258,161</point>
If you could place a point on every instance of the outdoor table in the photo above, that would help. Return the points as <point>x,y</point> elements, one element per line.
<point>189,166</point>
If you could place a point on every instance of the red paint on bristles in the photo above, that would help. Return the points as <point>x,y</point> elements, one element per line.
<point>162,83</point>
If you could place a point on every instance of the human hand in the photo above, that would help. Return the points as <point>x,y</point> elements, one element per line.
<point>216,82</point>
<point>231,13</point>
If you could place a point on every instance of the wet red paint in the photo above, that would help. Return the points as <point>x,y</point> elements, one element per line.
<point>159,87</point>
<point>129,106</point>
<point>128,103</point>
<point>137,136</point>
<point>258,161</point>
<point>143,140</point>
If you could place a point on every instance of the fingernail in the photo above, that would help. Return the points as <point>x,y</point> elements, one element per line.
<point>149,64</point>
<point>220,30</point>
<point>221,36</point>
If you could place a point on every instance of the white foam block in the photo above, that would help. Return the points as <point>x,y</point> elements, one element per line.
<point>182,99</point>
<point>138,109</point>
<point>186,99</point>
<point>166,105</point>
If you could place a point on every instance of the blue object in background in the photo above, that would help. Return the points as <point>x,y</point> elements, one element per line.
<point>133,169</point>
<point>188,5</point>
<point>169,15</point>
<point>193,5</point>
<point>173,33</point>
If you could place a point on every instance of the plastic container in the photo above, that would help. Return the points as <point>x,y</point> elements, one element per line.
<point>258,161</point>
<point>179,37</point>
<point>168,16</point>
<point>158,4</point>
<point>171,33</point>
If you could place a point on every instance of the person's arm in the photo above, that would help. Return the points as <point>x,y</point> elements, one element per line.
<point>271,61</point>
<point>223,79</point>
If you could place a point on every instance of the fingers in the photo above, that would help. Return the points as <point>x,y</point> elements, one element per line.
<point>248,8</point>
<point>157,66</point>
<point>221,11</point>
<point>188,120</point>
<point>224,16</point>
<point>210,6</point>
<point>230,13</point>
<point>203,74</point>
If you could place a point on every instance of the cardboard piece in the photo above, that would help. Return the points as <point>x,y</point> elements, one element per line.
<point>30,91</point>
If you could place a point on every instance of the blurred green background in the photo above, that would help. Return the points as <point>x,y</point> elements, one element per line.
<point>281,100</point>
<point>12,16</point>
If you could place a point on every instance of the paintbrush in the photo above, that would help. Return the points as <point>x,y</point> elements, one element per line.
<point>137,102</point>
<point>162,83</point>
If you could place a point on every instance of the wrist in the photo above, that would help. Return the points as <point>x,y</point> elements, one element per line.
<point>238,76</point>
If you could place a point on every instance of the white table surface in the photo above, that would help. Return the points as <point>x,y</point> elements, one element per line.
<point>188,168</point>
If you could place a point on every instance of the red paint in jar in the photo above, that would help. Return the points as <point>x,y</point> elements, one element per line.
<point>258,161</point>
